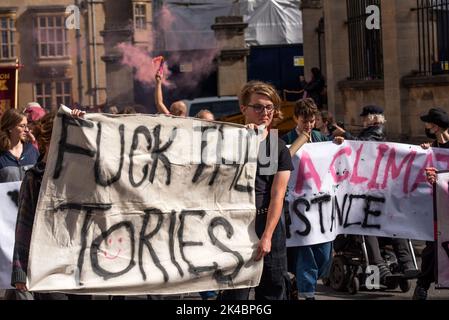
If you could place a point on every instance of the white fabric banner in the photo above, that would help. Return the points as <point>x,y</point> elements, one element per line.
<point>9,196</point>
<point>143,204</point>
<point>442,198</point>
<point>364,188</point>
<point>270,22</point>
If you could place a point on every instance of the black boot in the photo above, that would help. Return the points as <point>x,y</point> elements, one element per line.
<point>386,277</point>
<point>409,270</point>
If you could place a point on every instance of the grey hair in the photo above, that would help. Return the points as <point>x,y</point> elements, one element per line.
<point>373,119</point>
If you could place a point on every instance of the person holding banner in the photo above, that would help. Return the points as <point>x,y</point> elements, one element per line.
<point>28,197</point>
<point>16,155</point>
<point>436,127</point>
<point>259,103</point>
<point>308,263</point>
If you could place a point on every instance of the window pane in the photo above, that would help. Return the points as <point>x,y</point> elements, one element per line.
<point>5,53</point>
<point>67,100</point>
<point>4,23</point>
<point>67,87</point>
<point>39,89</point>
<point>59,50</point>
<point>51,35</point>
<point>43,22</point>
<point>51,21</point>
<point>58,21</point>
<point>4,37</point>
<point>43,34</point>
<point>47,102</point>
<point>48,89</point>
<point>59,101</point>
<point>141,23</point>
<point>44,51</point>
<point>58,88</point>
<point>59,35</point>
<point>11,36</point>
<point>11,23</point>
<point>13,51</point>
<point>52,50</point>
<point>40,101</point>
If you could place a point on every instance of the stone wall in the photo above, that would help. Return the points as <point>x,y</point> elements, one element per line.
<point>229,32</point>
<point>404,97</point>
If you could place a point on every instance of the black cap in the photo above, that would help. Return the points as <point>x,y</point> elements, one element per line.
<point>371,109</point>
<point>437,116</point>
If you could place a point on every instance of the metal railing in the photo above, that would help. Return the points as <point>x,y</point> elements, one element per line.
<point>433,36</point>
<point>365,45</point>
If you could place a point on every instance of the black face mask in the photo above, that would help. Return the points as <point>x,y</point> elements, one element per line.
<point>430,135</point>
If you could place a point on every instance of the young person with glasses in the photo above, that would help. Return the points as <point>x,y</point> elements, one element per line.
<point>259,103</point>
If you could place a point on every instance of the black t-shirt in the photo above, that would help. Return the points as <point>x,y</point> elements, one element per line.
<point>267,168</point>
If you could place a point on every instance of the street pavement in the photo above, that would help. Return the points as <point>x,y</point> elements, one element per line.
<point>327,293</point>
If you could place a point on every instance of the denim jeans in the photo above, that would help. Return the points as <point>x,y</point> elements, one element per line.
<point>273,283</point>
<point>312,263</point>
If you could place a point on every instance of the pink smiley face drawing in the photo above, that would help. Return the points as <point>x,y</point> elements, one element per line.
<point>106,253</point>
<point>115,251</point>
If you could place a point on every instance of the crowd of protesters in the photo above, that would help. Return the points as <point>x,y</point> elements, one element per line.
<point>25,138</point>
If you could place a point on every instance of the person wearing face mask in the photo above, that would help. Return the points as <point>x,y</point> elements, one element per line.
<point>436,128</point>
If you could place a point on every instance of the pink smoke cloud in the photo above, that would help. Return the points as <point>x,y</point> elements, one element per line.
<point>200,64</point>
<point>144,65</point>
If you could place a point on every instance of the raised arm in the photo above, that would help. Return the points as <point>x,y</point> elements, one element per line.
<point>158,98</point>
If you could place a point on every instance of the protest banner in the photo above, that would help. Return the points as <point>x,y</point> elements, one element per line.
<point>9,194</point>
<point>143,204</point>
<point>442,206</point>
<point>365,188</point>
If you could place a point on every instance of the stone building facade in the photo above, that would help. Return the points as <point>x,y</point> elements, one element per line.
<point>68,48</point>
<point>400,78</point>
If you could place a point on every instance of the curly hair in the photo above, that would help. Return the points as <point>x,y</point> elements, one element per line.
<point>43,130</point>
<point>9,120</point>
<point>306,108</point>
<point>265,89</point>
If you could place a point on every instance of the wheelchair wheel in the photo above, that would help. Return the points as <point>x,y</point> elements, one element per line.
<point>405,285</point>
<point>354,285</point>
<point>338,277</point>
